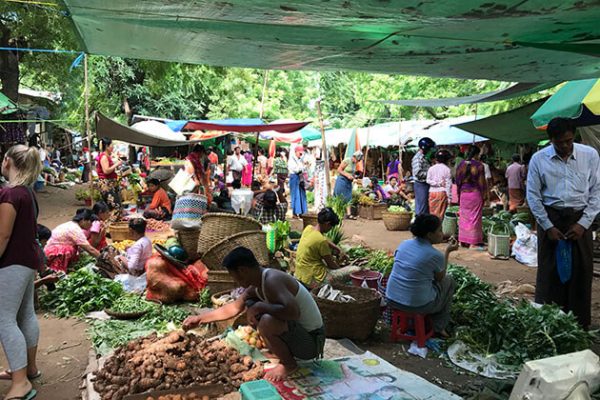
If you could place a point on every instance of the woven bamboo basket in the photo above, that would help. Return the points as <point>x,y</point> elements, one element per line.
<point>373,211</point>
<point>218,226</point>
<point>308,219</point>
<point>355,320</point>
<point>119,231</point>
<point>220,282</point>
<point>189,241</point>
<point>253,240</point>
<point>396,221</point>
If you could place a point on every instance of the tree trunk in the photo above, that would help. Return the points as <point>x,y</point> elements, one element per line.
<point>9,65</point>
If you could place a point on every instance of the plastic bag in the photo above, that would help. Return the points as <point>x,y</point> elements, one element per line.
<point>131,283</point>
<point>525,247</point>
<point>182,182</point>
<point>564,260</point>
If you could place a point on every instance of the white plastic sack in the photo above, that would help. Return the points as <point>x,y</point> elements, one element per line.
<point>524,250</point>
<point>132,284</point>
<point>182,182</point>
<point>570,376</point>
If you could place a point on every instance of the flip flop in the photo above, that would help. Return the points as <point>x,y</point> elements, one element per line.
<point>29,396</point>
<point>7,375</point>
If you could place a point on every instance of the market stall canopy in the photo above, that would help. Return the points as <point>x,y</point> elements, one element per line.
<point>516,90</point>
<point>148,134</point>
<point>285,127</point>
<point>509,40</point>
<point>306,133</point>
<point>444,133</point>
<point>577,100</point>
<point>6,105</point>
<point>512,126</point>
<point>179,125</point>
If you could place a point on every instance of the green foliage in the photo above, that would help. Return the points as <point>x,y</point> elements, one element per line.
<point>81,292</point>
<point>204,299</point>
<point>338,204</point>
<point>336,234</point>
<point>282,232</point>
<point>397,210</point>
<point>381,261</point>
<point>310,198</point>
<point>514,333</point>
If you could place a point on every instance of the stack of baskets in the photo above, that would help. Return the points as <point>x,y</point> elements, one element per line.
<point>221,233</point>
<point>354,320</point>
<point>396,221</point>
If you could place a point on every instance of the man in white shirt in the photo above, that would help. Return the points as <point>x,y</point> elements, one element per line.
<point>563,192</point>
<point>236,163</point>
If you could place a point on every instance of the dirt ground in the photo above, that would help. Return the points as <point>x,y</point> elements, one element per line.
<point>64,348</point>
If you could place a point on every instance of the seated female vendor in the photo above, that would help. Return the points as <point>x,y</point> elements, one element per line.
<point>160,207</point>
<point>140,251</point>
<point>418,282</point>
<point>67,239</point>
<point>315,263</point>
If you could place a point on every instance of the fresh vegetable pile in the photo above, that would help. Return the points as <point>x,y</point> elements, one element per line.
<point>250,336</point>
<point>83,260</point>
<point>154,225</point>
<point>398,210</point>
<point>174,361</point>
<point>81,292</point>
<point>381,261</point>
<point>123,245</point>
<point>513,332</point>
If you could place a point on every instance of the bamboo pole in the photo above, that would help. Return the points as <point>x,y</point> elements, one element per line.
<point>260,115</point>
<point>324,150</point>
<point>88,131</point>
<point>366,150</point>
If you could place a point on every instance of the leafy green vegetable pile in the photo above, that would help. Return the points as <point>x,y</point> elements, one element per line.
<point>398,210</point>
<point>83,260</point>
<point>513,332</point>
<point>81,292</point>
<point>379,260</point>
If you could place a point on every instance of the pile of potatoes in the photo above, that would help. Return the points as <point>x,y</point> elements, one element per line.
<point>188,396</point>
<point>174,361</point>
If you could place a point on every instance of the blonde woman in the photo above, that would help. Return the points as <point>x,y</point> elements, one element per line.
<point>19,260</point>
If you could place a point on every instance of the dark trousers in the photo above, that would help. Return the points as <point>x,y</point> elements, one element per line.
<point>421,198</point>
<point>576,294</point>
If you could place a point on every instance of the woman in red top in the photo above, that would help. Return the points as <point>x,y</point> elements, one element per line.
<point>20,257</point>
<point>108,180</point>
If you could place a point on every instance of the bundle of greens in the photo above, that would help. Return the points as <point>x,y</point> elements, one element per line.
<point>84,260</point>
<point>132,303</point>
<point>310,197</point>
<point>379,260</point>
<point>282,232</point>
<point>357,252</point>
<point>513,332</point>
<point>336,235</point>
<point>81,292</point>
<point>338,204</point>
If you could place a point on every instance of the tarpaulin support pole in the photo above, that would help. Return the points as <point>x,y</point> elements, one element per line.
<point>88,131</point>
<point>260,115</point>
<point>325,150</point>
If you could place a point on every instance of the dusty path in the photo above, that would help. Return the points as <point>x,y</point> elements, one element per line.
<point>62,368</point>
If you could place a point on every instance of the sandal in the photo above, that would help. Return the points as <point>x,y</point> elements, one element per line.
<point>7,375</point>
<point>29,396</point>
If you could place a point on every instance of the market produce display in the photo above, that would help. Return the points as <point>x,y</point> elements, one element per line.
<point>154,225</point>
<point>173,361</point>
<point>79,293</point>
<point>83,260</point>
<point>380,261</point>
<point>513,332</point>
<point>398,210</point>
<point>123,245</point>
<point>250,336</point>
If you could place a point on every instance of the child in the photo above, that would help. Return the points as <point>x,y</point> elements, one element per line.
<point>47,278</point>
<point>140,251</point>
<point>160,208</point>
<point>97,233</point>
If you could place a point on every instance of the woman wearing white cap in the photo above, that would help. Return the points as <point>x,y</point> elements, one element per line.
<point>343,183</point>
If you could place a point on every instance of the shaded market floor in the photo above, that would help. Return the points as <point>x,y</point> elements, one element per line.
<point>64,348</point>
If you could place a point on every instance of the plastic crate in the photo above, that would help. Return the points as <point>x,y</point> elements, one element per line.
<point>259,390</point>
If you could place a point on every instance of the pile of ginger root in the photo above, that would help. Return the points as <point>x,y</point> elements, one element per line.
<point>174,361</point>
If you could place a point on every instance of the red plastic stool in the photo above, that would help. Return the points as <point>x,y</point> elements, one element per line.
<point>403,321</point>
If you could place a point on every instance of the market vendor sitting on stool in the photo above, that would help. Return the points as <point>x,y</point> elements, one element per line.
<point>282,309</point>
<point>160,207</point>
<point>140,251</point>
<point>315,263</point>
<point>418,282</point>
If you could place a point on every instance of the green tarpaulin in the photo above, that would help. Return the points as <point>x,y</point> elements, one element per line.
<point>465,39</point>
<point>6,105</point>
<point>513,126</point>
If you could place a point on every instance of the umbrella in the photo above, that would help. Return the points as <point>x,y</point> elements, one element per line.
<point>577,100</point>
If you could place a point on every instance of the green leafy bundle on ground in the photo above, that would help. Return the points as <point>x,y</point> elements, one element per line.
<point>379,260</point>
<point>513,332</point>
<point>81,292</point>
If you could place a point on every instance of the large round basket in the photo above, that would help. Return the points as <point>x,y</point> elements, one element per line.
<point>119,231</point>
<point>396,221</point>
<point>253,240</point>
<point>354,320</point>
<point>189,241</point>
<point>308,219</point>
<point>220,282</point>
<point>218,226</point>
